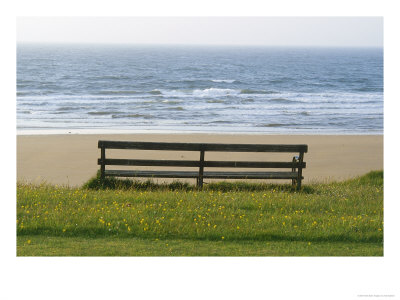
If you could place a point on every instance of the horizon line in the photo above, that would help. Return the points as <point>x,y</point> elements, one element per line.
<point>192,44</point>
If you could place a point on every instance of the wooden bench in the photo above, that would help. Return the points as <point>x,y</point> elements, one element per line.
<point>296,164</point>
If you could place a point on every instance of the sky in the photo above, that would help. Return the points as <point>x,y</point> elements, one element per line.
<point>258,31</point>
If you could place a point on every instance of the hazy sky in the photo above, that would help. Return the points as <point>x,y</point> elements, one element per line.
<point>269,31</point>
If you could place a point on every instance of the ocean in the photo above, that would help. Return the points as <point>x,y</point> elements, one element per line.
<point>121,88</point>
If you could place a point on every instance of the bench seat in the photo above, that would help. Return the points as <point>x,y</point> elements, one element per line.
<point>207,174</point>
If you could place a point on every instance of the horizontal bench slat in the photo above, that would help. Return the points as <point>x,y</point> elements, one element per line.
<point>189,174</point>
<point>192,163</point>
<point>251,175</point>
<point>150,162</point>
<point>253,164</point>
<point>161,174</point>
<point>203,147</point>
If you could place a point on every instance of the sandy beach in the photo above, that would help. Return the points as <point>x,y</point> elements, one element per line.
<point>72,159</point>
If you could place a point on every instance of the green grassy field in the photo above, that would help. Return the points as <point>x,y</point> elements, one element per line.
<point>224,219</point>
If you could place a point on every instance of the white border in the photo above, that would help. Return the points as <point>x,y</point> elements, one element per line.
<point>199,278</point>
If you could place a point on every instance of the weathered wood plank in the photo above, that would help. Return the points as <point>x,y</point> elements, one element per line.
<point>294,162</point>
<point>193,163</point>
<point>102,162</point>
<point>203,147</point>
<point>190,174</point>
<point>299,172</point>
<point>150,162</point>
<point>201,170</point>
<point>250,175</point>
<point>252,164</point>
<point>160,174</point>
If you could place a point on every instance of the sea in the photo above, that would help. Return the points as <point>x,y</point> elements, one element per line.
<point>75,88</point>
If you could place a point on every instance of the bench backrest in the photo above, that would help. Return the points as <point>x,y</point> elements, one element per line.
<point>202,147</point>
<point>296,163</point>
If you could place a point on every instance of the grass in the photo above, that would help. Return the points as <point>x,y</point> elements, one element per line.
<point>122,218</point>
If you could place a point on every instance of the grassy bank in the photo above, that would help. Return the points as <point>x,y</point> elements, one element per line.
<point>227,219</point>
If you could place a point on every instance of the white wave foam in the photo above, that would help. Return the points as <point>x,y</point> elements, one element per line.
<point>214,92</point>
<point>172,101</point>
<point>210,92</point>
<point>223,80</point>
<point>175,93</point>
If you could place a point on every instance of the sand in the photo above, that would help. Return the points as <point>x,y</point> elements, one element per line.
<point>72,159</point>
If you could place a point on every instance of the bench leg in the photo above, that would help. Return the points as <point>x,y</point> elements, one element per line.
<point>294,160</point>
<point>200,182</point>
<point>103,161</point>
<point>299,184</point>
<point>299,176</point>
<point>300,171</point>
<point>201,170</point>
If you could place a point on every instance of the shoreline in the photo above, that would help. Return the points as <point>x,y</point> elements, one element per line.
<point>71,159</point>
<point>35,132</point>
